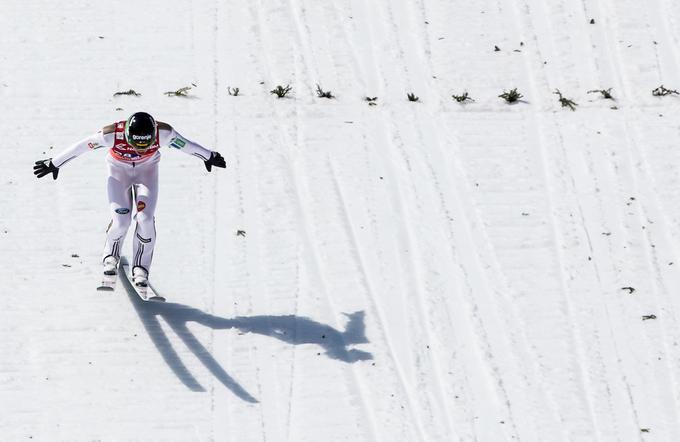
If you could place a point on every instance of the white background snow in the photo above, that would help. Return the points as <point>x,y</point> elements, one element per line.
<point>422,271</point>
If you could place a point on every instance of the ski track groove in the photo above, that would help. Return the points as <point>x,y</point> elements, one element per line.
<point>298,13</point>
<point>658,286</point>
<point>613,59</point>
<point>299,142</point>
<point>354,384</point>
<point>419,287</point>
<point>481,331</point>
<point>317,268</point>
<point>570,307</point>
<point>578,340</point>
<point>648,250</point>
<point>510,309</point>
<point>371,298</point>
<point>479,326</point>
<point>422,16</point>
<point>595,265</point>
<point>490,260</point>
<point>261,159</point>
<point>408,240</point>
<point>373,219</point>
<point>391,176</point>
<point>464,214</point>
<point>400,54</point>
<point>494,367</point>
<point>631,128</point>
<point>400,148</point>
<point>215,195</point>
<point>303,27</point>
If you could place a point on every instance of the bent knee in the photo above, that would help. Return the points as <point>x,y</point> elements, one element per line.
<point>121,218</point>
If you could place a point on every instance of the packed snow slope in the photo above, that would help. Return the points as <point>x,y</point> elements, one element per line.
<point>408,271</point>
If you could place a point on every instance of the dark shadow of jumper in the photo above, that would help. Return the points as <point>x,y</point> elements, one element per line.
<point>291,329</point>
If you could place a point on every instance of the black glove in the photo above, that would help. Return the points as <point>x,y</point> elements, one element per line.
<point>44,167</point>
<point>215,160</point>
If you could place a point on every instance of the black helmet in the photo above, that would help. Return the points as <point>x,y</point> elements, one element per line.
<point>140,131</point>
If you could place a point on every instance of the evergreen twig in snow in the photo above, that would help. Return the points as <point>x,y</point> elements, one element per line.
<point>661,91</point>
<point>371,101</point>
<point>462,98</point>
<point>128,92</point>
<point>606,93</point>
<point>511,96</point>
<point>281,91</point>
<point>323,94</point>
<point>565,102</point>
<point>181,92</point>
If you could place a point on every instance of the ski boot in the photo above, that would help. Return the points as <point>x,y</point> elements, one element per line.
<point>140,277</point>
<point>110,266</point>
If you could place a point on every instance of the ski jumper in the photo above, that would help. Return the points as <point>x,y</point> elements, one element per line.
<point>132,186</point>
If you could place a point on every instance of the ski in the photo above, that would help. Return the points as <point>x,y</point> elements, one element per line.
<point>108,283</point>
<point>145,293</point>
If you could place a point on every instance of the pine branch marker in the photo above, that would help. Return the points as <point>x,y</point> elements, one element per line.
<point>511,96</point>
<point>323,94</point>
<point>371,101</point>
<point>462,98</point>
<point>128,92</point>
<point>565,102</point>
<point>661,91</point>
<point>181,92</point>
<point>281,91</point>
<point>606,93</point>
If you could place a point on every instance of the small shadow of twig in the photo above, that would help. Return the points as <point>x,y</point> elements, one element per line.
<point>291,329</point>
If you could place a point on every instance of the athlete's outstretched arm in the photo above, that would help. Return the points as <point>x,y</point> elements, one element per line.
<point>103,138</point>
<point>170,137</point>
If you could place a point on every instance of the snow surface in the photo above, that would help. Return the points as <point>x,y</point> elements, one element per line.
<point>422,271</point>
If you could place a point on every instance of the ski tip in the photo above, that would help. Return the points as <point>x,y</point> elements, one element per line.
<point>156,299</point>
<point>104,289</point>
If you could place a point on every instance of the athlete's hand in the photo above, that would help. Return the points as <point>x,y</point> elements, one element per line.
<point>215,160</point>
<point>44,167</point>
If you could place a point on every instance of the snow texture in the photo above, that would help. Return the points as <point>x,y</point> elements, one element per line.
<point>428,271</point>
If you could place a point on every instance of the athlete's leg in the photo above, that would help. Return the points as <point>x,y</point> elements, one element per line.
<point>120,206</point>
<point>146,196</point>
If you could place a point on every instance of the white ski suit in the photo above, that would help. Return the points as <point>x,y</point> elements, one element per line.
<point>133,179</point>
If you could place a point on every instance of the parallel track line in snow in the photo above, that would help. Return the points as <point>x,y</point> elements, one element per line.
<point>303,36</point>
<point>215,196</point>
<point>393,30</point>
<point>417,17</point>
<point>373,301</point>
<point>302,50</point>
<point>631,121</point>
<point>407,242</point>
<point>589,58</point>
<point>606,214</point>
<point>372,67</point>
<point>266,67</point>
<point>668,49</point>
<point>524,22</point>
<point>612,59</point>
<point>637,156</point>
<point>509,307</point>
<point>316,268</point>
<point>484,343</point>
<point>467,212</point>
